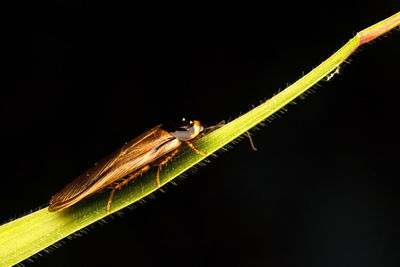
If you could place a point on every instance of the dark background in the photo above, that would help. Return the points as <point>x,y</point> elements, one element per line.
<point>322,189</point>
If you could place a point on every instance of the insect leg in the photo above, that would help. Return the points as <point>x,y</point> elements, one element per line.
<point>168,158</point>
<point>191,145</point>
<point>251,141</point>
<point>133,176</point>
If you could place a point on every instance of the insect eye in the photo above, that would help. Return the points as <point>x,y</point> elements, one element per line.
<point>184,130</point>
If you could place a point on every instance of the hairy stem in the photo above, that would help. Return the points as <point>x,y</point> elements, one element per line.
<point>30,234</point>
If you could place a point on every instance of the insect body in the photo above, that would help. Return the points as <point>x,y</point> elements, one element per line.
<point>153,148</point>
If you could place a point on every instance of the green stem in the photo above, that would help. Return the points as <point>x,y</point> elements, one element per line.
<point>30,234</point>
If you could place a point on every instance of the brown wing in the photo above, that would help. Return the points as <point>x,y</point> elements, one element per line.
<point>75,188</point>
<point>107,170</point>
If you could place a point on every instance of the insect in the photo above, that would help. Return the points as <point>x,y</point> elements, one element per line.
<point>153,148</point>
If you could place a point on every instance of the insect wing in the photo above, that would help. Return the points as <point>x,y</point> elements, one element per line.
<point>94,179</point>
<point>65,197</point>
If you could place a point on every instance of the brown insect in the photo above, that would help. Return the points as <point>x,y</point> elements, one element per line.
<point>153,148</point>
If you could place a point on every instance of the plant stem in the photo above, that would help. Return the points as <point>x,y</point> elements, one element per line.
<point>30,234</point>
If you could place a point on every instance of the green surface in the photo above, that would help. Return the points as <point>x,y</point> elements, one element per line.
<point>30,234</point>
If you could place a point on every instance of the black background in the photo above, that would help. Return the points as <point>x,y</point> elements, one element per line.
<point>322,189</point>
